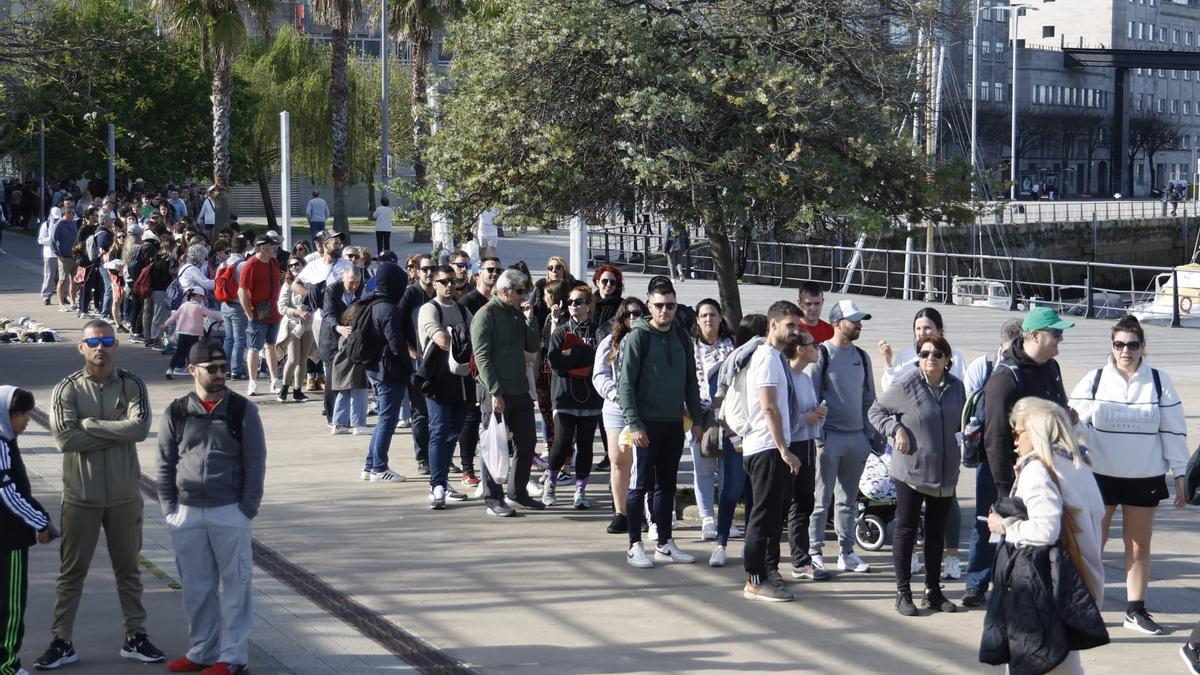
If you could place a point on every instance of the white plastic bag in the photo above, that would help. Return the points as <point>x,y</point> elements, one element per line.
<point>493,447</point>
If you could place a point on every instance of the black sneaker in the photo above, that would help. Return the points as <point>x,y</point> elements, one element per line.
<point>58,654</point>
<point>282,396</point>
<point>298,396</point>
<point>602,465</point>
<point>904,604</point>
<point>1141,621</point>
<point>139,648</point>
<point>618,525</point>
<point>974,597</point>
<point>423,467</point>
<point>1191,657</point>
<point>527,502</point>
<point>500,510</point>
<point>935,601</point>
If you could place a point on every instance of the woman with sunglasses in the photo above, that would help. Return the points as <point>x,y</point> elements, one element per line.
<point>920,413</point>
<point>1136,431</point>
<point>610,286</point>
<point>571,354</point>
<point>713,344</point>
<point>928,322</point>
<point>604,379</point>
<point>296,332</point>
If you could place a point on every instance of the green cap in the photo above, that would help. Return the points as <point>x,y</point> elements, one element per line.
<point>1044,318</point>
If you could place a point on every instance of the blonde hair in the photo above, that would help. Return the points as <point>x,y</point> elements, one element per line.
<point>1048,427</point>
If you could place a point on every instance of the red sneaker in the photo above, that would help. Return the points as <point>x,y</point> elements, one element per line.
<point>184,665</point>
<point>224,669</point>
<point>470,479</point>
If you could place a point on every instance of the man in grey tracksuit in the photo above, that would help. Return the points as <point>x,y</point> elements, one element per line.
<point>211,464</point>
<point>843,380</point>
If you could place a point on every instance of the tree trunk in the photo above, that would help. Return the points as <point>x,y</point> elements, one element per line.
<point>1153,172</point>
<point>222,88</point>
<point>724,264</point>
<point>264,188</point>
<point>421,41</point>
<point>371,199</point>
<point>339,96</point>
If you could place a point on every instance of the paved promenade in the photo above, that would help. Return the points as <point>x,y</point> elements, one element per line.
<point>549,591</point>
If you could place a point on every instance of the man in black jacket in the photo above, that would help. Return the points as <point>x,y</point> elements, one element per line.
<point>392,371</point>
<point>1028,368</point>
<point>410,304</point>
<point>337,298</point>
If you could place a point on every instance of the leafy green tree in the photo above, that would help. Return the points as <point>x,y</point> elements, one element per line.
<point>728,113</point>
<point>221,31</point>
<point>340,16</point>
<point>124,74</point>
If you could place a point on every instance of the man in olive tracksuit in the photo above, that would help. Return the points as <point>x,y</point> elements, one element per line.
<point>657,381</point>
<point>501,332</point>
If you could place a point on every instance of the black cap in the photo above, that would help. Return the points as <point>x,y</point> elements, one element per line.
<point>266,239</point>
<point>206,352</point>
<point>388,256</point>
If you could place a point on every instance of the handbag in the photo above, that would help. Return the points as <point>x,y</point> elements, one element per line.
<point>493,448</point>
<point>264,311</point>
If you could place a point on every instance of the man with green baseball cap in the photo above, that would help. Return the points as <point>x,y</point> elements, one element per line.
<point>1027,368</point>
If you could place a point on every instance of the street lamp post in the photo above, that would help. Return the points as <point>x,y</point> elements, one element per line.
<point>974,100</point>
<point>1014,13</point>
<point>384,141</point>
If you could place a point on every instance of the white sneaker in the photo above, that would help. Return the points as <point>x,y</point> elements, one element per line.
<point>671,553</point>
<point>387,475</point>
<point>708,530</point>
<point>365,475</point>
<point>818,561</point>
<point>652,534</point>
<point>339,430</point>
<point>852,563</point>
<point>636,556</point>
<point>251,387</point>
<point>534,489</point>
<point>717,559</point>
<point>734,532</point>
<point>361,431</point>
<point>581,502</point>
<point>952,569</point>
<point>549,495</point>
<point>437,498</point>
<point>276,385</point>
<point>918,565</point>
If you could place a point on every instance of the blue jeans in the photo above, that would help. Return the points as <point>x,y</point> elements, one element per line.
<point>235,336</point>
<point>979,560</point>
<point>350,408</point>
<point>388,398</point>
<point>733,483</point>
<point>704,479</point>
<point>106,303</point>
<point>446,420</point>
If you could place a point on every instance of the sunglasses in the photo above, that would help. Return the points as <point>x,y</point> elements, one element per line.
<point>462,265</point>
<point>555,268</point>
<point>935,353</point>
<point>577,302</point>
<point>296,265</point>
<point>664,306</point>
<point>608,282</point>
<point>635,314</point>
<point>214,368</point>
<point>1133,345</point>
<point>426,269</point>
<point>93,342</point>
<point>444,282</point>
<point>492,270</point>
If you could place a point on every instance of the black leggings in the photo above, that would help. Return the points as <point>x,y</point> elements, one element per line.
<point>468,438</point>
<point>577,430</point>
<point>383,242</point>
<point>908,513</point>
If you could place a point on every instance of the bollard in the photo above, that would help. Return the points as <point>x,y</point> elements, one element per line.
<point>1175,321</point>
<point>887,275</point>
<point>1012,285</point>
<point>1091,307</point>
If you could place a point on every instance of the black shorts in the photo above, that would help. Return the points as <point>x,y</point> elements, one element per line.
<point>1132,491</point>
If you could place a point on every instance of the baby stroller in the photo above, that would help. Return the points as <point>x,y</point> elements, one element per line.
<point>877,503</point>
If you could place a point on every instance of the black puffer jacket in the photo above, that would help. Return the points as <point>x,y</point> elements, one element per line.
<point>1039,610</point>
<point>570,392</point>
<point>607,308</point>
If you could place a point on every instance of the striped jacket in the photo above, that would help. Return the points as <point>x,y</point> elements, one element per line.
<point>97,426</point>
<point>21,516</point>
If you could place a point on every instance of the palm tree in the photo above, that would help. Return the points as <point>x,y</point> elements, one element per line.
<point>415,21</point>
<point>340,16</point>
<point>222,31</point>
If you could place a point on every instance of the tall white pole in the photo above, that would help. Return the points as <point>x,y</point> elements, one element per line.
<point>975,100</point>
<point>384,141</point>
<point>43,213</point>
<point>285,178</point>
<point>1015,13</point>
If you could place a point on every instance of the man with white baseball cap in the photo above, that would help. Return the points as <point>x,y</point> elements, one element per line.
<point>844,382</point>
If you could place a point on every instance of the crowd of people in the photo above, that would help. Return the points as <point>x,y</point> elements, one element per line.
<point>780,412</point>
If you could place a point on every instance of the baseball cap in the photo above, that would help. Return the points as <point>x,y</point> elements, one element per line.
<point>196,290</point>
<point>206,352</point>
<point>328,234</point>
<point>1044,318</point>
<point>266,239</point>
<point>848,310</point>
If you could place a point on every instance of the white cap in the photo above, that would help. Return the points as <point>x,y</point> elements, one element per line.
<point>846,309</point>
<point>196,290</point>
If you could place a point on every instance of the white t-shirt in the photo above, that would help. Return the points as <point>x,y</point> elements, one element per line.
<point>767,369</point>
<point>487,225</point>
<point>383,219</point>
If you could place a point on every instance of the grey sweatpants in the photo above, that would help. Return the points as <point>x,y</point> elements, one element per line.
<point>49,277</point>
<point>212,549</point>
<point>840,465</point>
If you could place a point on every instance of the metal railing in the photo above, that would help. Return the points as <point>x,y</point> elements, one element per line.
<point>1078,211</point>
<point>1080,288</point>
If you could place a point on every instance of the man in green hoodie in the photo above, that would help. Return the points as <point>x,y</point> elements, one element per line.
<point>657,382</point>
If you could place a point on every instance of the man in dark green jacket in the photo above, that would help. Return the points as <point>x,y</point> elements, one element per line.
<point>657,381</point>
<point>501,333</point>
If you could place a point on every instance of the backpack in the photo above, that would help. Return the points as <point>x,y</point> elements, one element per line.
<point>461,356</point>
<point>971,423</point>
<point>175,294</point>
<point>142,287</point>
<point>735,409</point>
<point>363,346</point>
<point>225,286</point>
<point>235,416</point>
<point>1158,388</point>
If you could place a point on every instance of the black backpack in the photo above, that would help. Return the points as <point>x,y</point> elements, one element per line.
<point>235,416</point>
<point>364,346</point>
<point>971,423</point>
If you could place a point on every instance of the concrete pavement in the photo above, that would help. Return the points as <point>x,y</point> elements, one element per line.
<point>549,592</point>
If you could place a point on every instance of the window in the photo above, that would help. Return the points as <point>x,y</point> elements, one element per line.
<point>1174,107</point>
<point>1129,31</point>
<point>1141,30</point>
<point>1162,73</point>
<point>985,51</point>
<point>1149,31</point>
<point>1158,105</point>
<point>1173,75</point>
<point>1047,31</point>
<point>1137,102</point>
<point>1187,38</point>
<point>1162,34</point>
<point>1187,75</point>
<point>1175,36</point>
<point>1187,142</point>
<point>999,51</point>
<point>1187,107</point>
<point>998,88</point>
<point>983,91</point>
<point>1058,95</point>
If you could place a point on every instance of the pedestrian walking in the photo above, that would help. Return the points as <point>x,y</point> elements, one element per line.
<point>317,213</point>
<point>210,468</point>
<point>383,225</point>
<point>23,522</point>
<point>1136,432</point>
<point>98,416</point>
